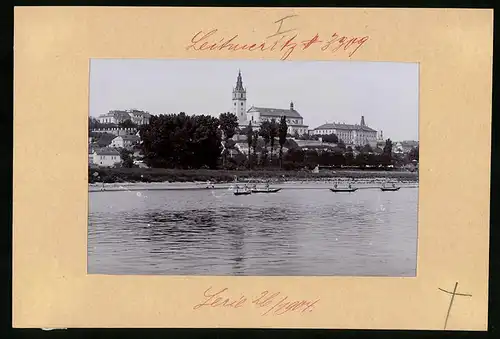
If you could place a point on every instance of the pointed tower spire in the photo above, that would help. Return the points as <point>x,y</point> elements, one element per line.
<point>239,82</point>
<point>363,120</point>
<point>291,105</point>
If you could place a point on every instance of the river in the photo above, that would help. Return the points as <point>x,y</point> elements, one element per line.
<point>295,232</point>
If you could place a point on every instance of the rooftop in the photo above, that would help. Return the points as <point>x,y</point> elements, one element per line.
<point>276,112</point>
<point>130,137</point>
<point>107,151</point>
<point>126,112</point>
<point>345,126</point>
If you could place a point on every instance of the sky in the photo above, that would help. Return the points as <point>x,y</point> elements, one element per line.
<point>385,93</point>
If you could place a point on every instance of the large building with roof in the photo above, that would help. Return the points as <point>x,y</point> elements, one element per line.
<point>104,157</point>
<point>256,115</point>
<point>116,116</point>
<point>358,135</point>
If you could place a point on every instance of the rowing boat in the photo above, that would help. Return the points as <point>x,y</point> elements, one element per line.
<point>390,189</point>
<point>269,190</point>
<point>343,189</point>
<point>242,192</point>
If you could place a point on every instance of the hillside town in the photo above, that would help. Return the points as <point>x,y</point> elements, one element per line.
<point>247,136</point>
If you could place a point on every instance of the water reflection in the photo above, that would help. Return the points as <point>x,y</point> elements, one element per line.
<point>295,232</point>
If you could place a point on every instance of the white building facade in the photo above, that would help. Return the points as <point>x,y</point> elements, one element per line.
<point>294,120</point>
<point>358,135</point>
<point>106,157</point>
<point>116,117</point>
<point>125,141</point>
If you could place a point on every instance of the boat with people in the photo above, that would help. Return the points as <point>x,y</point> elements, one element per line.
<point>391,188</point>
<point>266,189</point>
<point>343,189</point>
<point>349,188</point>
<point>241,191</point>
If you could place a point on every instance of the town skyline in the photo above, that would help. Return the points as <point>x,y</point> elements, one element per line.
<point>386,94</point>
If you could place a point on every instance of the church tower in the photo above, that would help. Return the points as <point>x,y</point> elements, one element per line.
<point>240,101</point>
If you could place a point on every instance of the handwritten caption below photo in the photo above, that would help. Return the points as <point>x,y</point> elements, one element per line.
<point>267,302</point>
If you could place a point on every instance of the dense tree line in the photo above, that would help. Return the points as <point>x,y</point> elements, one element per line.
<point>203,141</point>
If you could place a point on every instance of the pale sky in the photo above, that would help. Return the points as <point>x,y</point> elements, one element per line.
<point>386,93</point>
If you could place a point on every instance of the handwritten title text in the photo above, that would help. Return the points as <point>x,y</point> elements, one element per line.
<point>269,303</point>
<point>285,41</point>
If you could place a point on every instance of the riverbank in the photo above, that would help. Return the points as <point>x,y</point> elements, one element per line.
<point>302,185</point>
<point>160,175</point>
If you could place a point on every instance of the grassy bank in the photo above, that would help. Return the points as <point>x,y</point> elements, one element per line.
<point>110,175</point>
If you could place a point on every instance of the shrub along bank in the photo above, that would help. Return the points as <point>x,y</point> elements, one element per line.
<point>111,175</point>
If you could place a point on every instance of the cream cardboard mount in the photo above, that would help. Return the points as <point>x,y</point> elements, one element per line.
<point>53,46</point>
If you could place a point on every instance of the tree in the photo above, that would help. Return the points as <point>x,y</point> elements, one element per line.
<point>283,130</point>
<point>93,123</point>
<point>349,156</point>
<point>331,138</point>
<point>102,139</point>
<point>341,144</point>
<point>311,158</point>
<point>273,133</point>
<point>126,157</point>
<point>127,124</point>
<point>296,134</point>
<point>255,139</point>
<point>264,133</point>
<point>413,154</point>
<point>387,153</point>
<point>294,158</point>
<point>249,134</point>
<point>228,125</point>
<point>367,149</point>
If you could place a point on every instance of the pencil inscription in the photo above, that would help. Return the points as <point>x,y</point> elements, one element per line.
<point>453,294</point>
<point>268,303</point>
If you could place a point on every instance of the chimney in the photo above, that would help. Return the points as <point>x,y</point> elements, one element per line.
<point>291,105</point>
<point>363,120</point>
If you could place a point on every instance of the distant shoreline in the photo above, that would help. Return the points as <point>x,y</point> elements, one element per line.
<point>116,179</point>
<point>110,187</point>
<point>202,176</point>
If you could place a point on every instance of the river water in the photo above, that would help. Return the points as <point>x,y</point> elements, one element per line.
<point>289,233</point>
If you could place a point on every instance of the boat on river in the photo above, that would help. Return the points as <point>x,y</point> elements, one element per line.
<point>238,190</point>
<point>389,189</point>
<point>242,192</point>
<point>266,190</point>
<point>343,189</point>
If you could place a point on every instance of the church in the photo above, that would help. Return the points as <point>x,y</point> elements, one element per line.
<point>256,115</point>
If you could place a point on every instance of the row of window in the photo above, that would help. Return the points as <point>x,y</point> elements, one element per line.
<point>330,131</point>
<point>113,157</point>
<point>288,121</point>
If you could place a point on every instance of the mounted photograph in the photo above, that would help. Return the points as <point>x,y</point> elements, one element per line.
<point>253,168</point>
